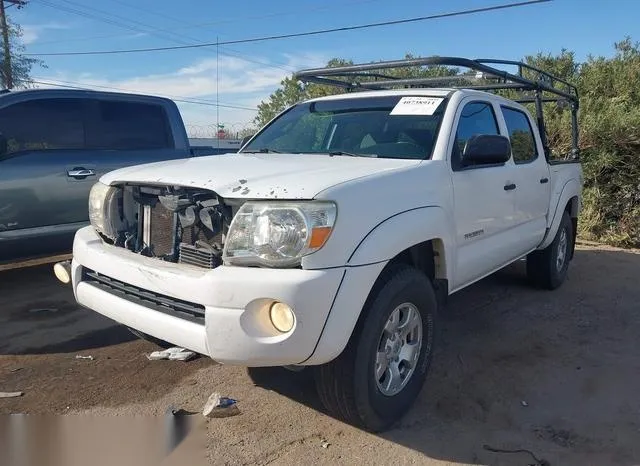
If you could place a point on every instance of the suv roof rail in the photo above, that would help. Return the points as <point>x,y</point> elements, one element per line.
<point>536,86</point>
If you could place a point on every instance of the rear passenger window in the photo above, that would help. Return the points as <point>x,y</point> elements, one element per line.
<point>523,144</point>
<point>129,126</point>
<point>476,118</point>
<point>43,124</point>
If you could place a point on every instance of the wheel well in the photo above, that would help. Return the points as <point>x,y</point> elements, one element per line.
<point>428,257</point>
<point>572,208</point>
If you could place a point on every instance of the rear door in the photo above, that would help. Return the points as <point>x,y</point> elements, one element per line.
<point>484,199</point>
<point>123,133</point>
<point>532,178</point>
<point>45,175</point>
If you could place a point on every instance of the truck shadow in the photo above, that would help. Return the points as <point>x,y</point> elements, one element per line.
<point>39,315</point>
<point>556,373</point>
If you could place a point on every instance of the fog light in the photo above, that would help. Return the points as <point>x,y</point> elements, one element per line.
<point>281,316</point>
<point>62,270</point>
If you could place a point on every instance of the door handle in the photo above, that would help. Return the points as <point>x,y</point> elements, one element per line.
<point>544,180</point>
<point>80,173</point>
<point>509,187</point>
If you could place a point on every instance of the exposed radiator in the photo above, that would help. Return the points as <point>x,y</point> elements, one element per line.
<point>161,230</point>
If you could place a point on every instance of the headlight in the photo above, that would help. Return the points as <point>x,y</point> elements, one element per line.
<point>278,234</point>
<point>101,204</point>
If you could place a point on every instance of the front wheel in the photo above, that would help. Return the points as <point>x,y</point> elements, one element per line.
<point>380,373</point>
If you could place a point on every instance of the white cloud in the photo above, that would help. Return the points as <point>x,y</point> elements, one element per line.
<point>241,83</point>
<point>236,76</point>
<point>29,35</point>
<point>32,32</point>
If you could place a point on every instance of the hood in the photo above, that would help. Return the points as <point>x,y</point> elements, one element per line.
<point>258,176</point>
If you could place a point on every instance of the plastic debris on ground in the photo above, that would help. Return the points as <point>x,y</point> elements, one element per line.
<point>79,356</point>
<point>325,444</point>
<point>172,354</point>
<point>11,394</point>
<point>524,403</point>
<point>220,406</point>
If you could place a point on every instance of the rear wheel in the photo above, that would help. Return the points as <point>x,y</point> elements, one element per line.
<point>380,373</point>
<point>548,268</point>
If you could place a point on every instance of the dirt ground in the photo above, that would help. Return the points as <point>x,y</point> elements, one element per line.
<point>556,373</point>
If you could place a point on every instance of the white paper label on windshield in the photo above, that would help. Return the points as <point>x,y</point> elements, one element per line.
<point>416,106</point>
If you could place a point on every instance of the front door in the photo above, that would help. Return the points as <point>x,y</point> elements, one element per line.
<point>45,173</point>
<point>45,176</point>
<point>484,199</point>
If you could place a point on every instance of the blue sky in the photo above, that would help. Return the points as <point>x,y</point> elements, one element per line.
<point>249,72</point>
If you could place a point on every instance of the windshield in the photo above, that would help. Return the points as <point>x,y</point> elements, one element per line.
<point>399,127</point>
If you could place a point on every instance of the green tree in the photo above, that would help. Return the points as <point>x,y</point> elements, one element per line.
<point>21,65</point>
<point>609,122</point>
<point>292,91</point>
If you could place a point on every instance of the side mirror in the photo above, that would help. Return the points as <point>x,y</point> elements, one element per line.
<point>246,140</point>
<point>485,149</point>
<point>3,145</point>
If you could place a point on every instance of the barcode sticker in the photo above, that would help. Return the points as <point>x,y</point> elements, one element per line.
<point>416,106</point>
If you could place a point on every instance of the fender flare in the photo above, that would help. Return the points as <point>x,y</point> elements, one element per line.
<point>570,190</point>
<point>403,230</point>
<point>383,242</point>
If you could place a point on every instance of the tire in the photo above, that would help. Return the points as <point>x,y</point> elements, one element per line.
<point>548,268</point>
<point>156,341</point>
<point>349,387</point>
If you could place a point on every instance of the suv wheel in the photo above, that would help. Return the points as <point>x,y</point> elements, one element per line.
<point>380,373</point>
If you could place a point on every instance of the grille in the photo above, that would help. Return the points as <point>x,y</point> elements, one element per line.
<point>149,299</point>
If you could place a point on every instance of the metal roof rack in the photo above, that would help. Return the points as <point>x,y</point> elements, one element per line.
<point>535,85</point>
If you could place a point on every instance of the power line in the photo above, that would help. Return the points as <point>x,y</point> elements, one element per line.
<point>299,34</point>
<point>282,13</point>
<point>148,11</point>
<point>185,25</point>
<point>149,30</point>
<point>84,87</point>
<point>85,14</point>
<point>121,18</point>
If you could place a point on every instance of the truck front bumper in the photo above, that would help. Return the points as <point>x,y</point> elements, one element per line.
<point>235,327</point>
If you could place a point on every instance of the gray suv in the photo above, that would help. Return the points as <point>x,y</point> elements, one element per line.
<point>54,144</point>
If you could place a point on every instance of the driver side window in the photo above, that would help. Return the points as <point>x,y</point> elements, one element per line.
<point>476,118</point>
<point>43,125</point>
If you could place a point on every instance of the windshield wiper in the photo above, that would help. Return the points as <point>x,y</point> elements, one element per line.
<point>264,150</point>
<point>350,154</point>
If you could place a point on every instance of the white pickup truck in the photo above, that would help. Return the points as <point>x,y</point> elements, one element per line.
<point>335,234</point>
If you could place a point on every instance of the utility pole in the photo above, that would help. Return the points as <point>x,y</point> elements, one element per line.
<point>7,71</point>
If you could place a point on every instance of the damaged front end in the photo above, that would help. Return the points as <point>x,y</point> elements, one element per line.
<point>170,223</point>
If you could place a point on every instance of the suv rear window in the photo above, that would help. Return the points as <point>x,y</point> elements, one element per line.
<point>523,144</point>
<point>129,126</point>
